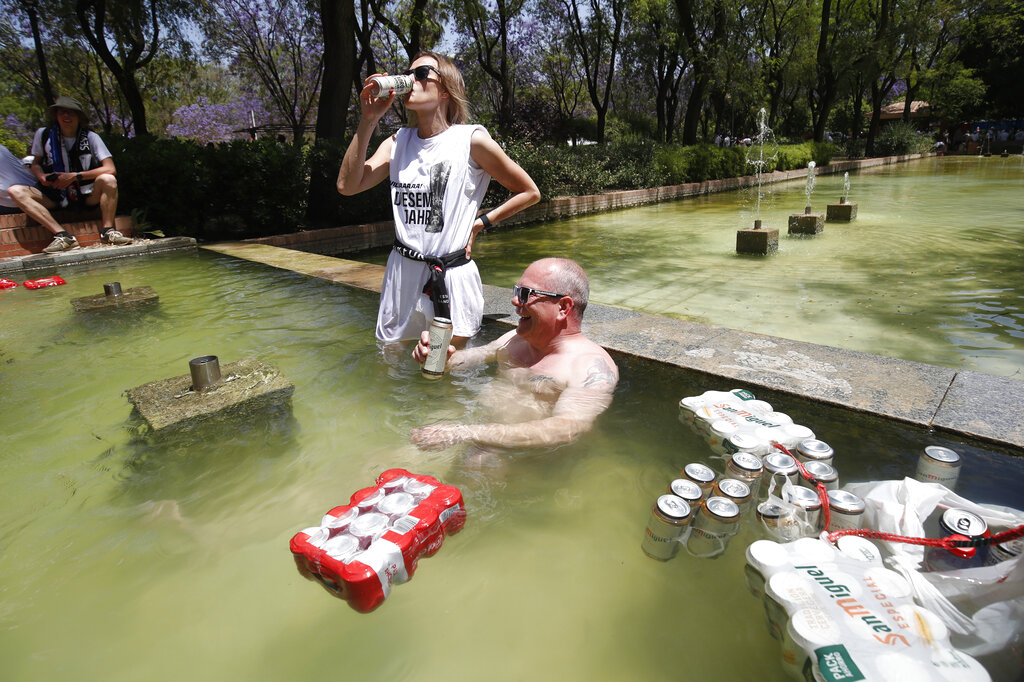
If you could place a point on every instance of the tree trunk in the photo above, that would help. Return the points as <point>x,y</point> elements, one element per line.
<point>338,19</point>
<point>44,73</point>
<point>340,71</point>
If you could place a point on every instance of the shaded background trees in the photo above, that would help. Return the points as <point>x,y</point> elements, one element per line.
<point>539,72</point>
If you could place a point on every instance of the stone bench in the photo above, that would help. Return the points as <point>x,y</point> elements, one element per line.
<point>22,236</point>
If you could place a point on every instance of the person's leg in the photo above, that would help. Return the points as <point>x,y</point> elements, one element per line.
<point>104,194</point>
<point>35,205</point>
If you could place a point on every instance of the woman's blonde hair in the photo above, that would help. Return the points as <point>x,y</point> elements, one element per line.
<point>451,80</point>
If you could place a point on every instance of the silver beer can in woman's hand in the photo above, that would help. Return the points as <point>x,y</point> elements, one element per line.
<point>382,86</point>
<point>437,358</point>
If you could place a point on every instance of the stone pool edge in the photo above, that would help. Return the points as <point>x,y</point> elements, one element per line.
<point>959,402</point>
<point>94,253</point>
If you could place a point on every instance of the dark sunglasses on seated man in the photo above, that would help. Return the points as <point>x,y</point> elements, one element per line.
<point>523,294</point>
<point>421,72</point>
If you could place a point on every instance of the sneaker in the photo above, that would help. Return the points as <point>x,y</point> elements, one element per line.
<point>115,237</point>
<point>61,244</point>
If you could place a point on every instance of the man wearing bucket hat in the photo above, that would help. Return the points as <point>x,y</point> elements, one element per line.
<point>73,169</point>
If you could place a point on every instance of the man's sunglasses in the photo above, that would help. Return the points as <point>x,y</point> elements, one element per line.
<point>523,294</point>
<point>421,72</point>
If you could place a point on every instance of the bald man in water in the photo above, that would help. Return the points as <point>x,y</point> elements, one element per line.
<point>560,380</point>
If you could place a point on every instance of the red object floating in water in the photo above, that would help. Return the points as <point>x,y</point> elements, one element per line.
<point>376,540</point>
<point>54,281</point>
<point>7,284</point>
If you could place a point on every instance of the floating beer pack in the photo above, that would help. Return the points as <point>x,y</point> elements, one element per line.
<point>362,548</point>
<point>736,421</point>
<point>840,614</point>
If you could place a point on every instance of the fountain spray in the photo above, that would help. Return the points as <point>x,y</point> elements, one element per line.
<point>765,155</point>
<point>809,189</point>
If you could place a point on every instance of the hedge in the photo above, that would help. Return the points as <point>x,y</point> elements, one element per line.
<point>258,188</point>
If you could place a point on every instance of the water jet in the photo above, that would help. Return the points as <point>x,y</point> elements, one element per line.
<point>807,222</point>
<point>844,211</point>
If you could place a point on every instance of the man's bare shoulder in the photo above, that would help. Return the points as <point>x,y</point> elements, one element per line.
<point>593,367</point>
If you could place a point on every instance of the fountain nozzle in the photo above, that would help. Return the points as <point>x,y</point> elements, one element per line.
<point>757,224</point>
<point>205,372</point>
<point>807,210</point>
<point>112,289</point>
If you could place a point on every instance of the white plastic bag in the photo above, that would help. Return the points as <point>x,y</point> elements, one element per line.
<point>983,607</point>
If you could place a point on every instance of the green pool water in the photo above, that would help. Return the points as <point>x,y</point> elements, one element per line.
<point>132,555</point>
<point>929,271</point>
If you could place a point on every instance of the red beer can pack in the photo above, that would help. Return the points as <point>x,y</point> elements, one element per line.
<point>362,548</point>
<point>54,281</point>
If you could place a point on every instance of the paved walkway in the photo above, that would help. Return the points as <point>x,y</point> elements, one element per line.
<point>963,403</point>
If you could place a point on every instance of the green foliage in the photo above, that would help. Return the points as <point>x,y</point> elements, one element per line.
<point>232,191</point>
<point>900,137</point>
<point>14,141</point>
<point>245,189</point>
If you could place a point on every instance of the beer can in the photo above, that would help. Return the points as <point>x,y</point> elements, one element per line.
<point>336,521</point>
<point>396,505</point>
<point>342,547</point>
<point>367,498</point>
<point>769,515</point>
<point>792,434</point>
<point>440,338</point>
<point>846,510</point>
<point>702,475</point>
<point>368,527</point>
<point>964,525</point>
<point>762,556</point>
<point>939,465</point>
<point>1004,552</point>
<point>778,464</point>
<point>688,490</point>
<point>733,489</point>
<point>745,467</point>
<point>688,409</point>
<point>715,523</point>
<point>744,442</point>
<point>814,450</point>
<point>382,86</point>
<point>822,472</point>
<point>418,489</point>
<point>808,630</point>
<point>670,516</point>
<point>809,504</point>
<point>721,430</point>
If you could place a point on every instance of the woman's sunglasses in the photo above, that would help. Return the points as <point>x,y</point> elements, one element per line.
<point>421,72</point>
<point>523,294</point>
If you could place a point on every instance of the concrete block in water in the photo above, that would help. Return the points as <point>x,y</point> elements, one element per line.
<point>245,385</point>
<point>757,240</point>
<point>841,212</point>
<point>136,296</point>
<point>806,223</point>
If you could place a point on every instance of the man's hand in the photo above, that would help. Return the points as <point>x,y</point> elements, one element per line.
<point>419,353</point>
<point>440,436</point>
